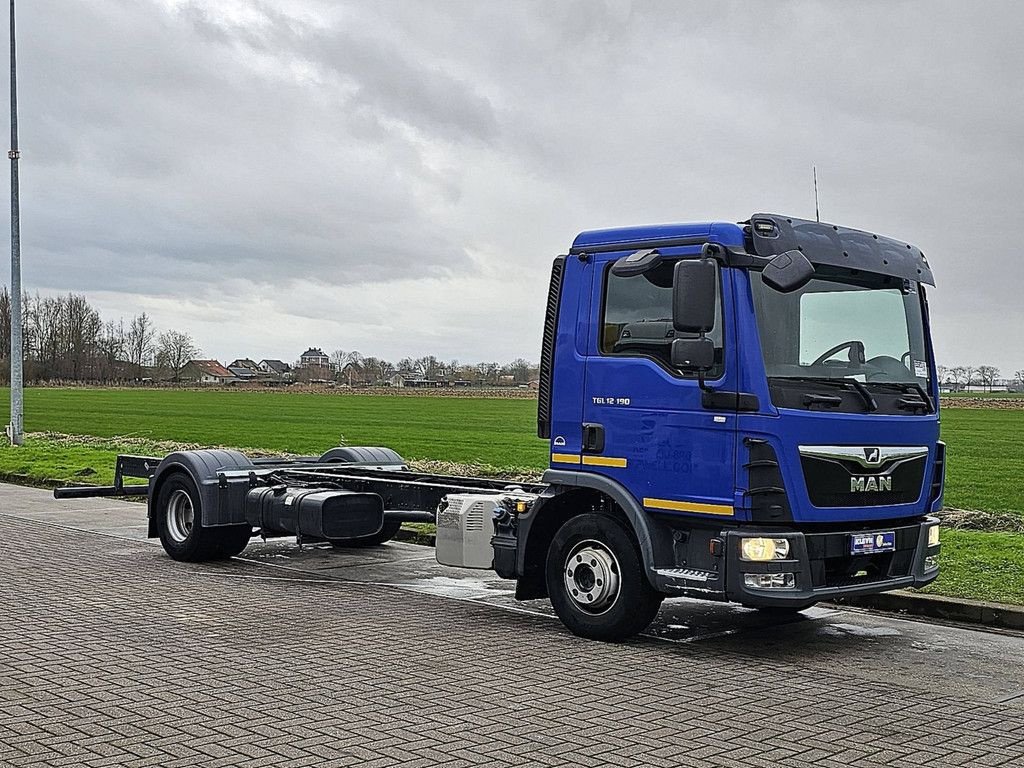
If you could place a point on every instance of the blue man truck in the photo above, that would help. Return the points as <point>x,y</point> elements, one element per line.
<point>741,412</point>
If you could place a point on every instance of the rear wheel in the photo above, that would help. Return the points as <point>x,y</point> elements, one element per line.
<point>386,533</point>
<point>596,580</point>
<point>179,523</point>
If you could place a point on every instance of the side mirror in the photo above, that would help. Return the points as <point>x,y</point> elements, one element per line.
<point>693,296</point>
<point>787,272</point>
<point>693,354</point>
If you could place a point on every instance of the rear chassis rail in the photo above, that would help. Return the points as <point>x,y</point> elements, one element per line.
<point>127,466</point>
<point>401,490</point>
<point>408,496</point>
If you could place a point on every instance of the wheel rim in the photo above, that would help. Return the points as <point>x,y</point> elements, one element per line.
<point>181,516</point>
<point>591,573</point>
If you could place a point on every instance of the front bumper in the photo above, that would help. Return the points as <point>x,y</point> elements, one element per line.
<point>823,567</point>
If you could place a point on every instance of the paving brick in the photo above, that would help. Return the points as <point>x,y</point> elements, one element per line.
<point>114,656</point>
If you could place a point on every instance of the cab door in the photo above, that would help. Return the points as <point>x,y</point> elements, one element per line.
<point>645,423</point>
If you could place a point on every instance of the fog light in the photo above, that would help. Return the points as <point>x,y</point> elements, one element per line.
<point>769,580</point>
<point>931,562</point>
<point>933,536</point>
<point>760,549</point>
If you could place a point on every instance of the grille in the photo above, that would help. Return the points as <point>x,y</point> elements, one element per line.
<point>828,483</point>
<point>547,349</point>
<point>475,517</point>
<point>449,517</point>
<point>939,474</point>
<point>832,565</point>
<point>767,493</point>
<point>860,569</point>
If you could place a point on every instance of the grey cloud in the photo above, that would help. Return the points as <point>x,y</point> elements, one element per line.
<point>358,146</point>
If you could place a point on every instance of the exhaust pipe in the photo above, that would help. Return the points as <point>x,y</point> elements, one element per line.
<point>317,513</point>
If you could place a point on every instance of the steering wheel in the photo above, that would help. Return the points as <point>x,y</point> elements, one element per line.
<point>852,344</point>
<point>887,368</point>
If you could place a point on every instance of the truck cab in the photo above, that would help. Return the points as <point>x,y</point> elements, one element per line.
<point>753,406</point>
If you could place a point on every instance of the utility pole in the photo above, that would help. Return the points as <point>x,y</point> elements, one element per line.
<point>16,428</point>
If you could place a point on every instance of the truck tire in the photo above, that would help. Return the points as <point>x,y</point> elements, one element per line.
<point>386,533</point>
<point>596,580</point>
<point>179,518</point>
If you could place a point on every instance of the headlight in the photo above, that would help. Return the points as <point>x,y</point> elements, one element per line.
<point>933,536</point>
<point>762,549</point>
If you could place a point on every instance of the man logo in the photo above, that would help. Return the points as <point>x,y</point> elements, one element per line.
<point>870,483</point>
<point>879,541</point>
<point>872,455</point>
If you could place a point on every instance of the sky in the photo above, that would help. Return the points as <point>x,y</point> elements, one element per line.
<point>395,177</point>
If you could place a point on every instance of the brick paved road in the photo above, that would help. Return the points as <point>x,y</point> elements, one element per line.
<point>111,654</point>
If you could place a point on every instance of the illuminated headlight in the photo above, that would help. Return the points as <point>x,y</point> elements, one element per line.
<point>933,536</point>
<point>760,549</point>
<point>769,580</point>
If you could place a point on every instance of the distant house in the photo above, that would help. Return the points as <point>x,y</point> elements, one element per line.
<point>314,357</point>
<point>278,367</point>
<point>412,381</point>
<point>243,373</point>
<point>355,374</point>
<point>246,363</point>
<point>206,372</point>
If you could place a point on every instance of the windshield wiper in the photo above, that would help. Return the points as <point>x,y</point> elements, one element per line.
<point>869,401</point>
<point>909,386</point>
<point>860,389</point>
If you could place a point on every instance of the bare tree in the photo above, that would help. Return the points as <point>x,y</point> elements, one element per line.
<point>958,375</point>
<point>488,372</point>
<point>942,372</point>
<point>340,358</point>
<point>174,350</point>
<point>427,366</point>
<point>111,352</point>
<point>971,373</point>
<point>140,342</point>
<point>987,375</point>
<point>1018,376</point>
<point>520,370</point>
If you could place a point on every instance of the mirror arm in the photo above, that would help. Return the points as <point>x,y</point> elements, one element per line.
<point>701,382</point>
<point>701,372</point>
<point>733,257</point>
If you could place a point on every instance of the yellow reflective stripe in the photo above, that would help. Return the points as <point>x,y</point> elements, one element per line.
<point>689,506</point>
<point>565,458</point>
<point>604,461</point>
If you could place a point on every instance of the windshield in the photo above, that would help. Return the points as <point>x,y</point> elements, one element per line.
<point>843,325</point>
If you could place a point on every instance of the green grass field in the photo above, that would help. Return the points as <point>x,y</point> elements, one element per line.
<point>493,430</point>
<point>985,458</point>
<point>985,455</point>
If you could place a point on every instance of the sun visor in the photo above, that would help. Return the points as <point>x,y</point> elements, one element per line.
<point>837,246</point>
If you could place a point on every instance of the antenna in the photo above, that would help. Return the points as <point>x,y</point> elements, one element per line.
<point>817,216</point>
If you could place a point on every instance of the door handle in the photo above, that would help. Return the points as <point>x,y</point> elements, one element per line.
<point>593,438</point>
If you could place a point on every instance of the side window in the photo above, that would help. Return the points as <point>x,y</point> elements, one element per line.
<point>637,318</point>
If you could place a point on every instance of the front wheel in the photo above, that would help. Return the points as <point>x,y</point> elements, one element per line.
<point>596,580</point>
